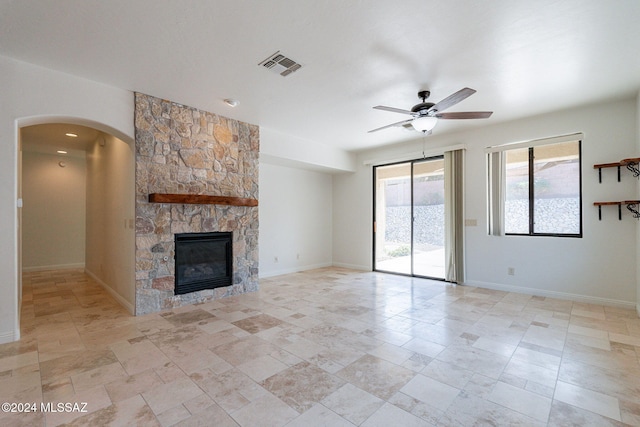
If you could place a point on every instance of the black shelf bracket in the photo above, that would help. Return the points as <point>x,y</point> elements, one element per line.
<point>607,166</point>
<point>633,167</point>
<point>619,204</point>
<point>633,208</point>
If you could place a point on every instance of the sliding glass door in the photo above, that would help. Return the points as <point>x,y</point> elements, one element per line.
<point>409,218</point>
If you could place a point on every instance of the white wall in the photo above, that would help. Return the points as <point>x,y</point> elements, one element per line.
<point>637,154</point>
<point>286,150</point>
<point>53,216</point>
<point>110,211</point>
<point>295,219</point>
<point>600,267</point>
<point>33,95</point>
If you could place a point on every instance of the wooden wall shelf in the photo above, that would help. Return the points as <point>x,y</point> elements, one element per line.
<point>631,206</point>
<point>200,199</point>
<point>630,164</point>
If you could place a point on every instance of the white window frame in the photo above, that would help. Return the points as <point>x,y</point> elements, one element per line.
<point>496,183</point>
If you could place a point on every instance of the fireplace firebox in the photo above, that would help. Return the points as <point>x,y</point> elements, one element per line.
<point>203,261</point>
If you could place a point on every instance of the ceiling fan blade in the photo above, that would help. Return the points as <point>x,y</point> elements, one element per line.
<point>393,110</point>
<point>392,125</point>
<point>453,99</point>
<point>465,115</point>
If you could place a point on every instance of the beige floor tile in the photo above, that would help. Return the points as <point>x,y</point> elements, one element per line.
<point>138,356</point>
<point>319,416</point>
<point>189,316</point>
<point>447,373</point>
<point>29,419</point>
<point>474,359</point>
<point>630,409</point>
<point>545,337</point>
<point>302,385</point>
<point>127,387</point>
<point>376,376</point>
<point>130,412</point>
<point>225,389</point>
<point>198,404</point>
<point>95,399</point>
<point>495,346</point>
<point>352,403</point>
<point>212,415</point>
<point>589,332</point>
<point>21,388</point>
<point>169,395</point>
<point>589,341</point>
<point>173,416</point>
<point>18,361</point>
<point>76,363</point>
<point>423,346</point>
<point>525,402</point>
<point>625,339</point>
<point>262,368</point>
<point>392,353</point>
<point>471,410</point>
<point>532,372</point>
<point>244,350</point>
<point>428,390</point>
<point>265,411</point>
<point>538,358</point>
<point>326,346</point>
<point>590,400</point>
<point>563,414</point>
<point>390,415</point>
<point>97,376</point>
<point>621,385</point>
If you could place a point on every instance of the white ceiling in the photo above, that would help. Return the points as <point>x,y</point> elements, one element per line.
<point>523,57</point>
<point>49,138</point>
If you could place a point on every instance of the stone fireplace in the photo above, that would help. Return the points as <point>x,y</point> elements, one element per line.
<point>192,154</point>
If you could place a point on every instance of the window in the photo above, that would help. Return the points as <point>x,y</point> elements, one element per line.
<point>535,188</point>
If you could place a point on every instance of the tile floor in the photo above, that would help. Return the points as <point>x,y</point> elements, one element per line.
<point>327,347</point>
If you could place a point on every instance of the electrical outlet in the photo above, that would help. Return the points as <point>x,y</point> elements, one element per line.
<point>511,271</point>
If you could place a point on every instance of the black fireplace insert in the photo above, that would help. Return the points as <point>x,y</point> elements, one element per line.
<point>203,261</point>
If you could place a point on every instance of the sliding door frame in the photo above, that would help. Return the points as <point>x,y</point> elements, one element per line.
<point>374,228</point>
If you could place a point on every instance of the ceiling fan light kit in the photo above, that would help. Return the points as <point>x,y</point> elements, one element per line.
<point>424,124</point>
<point>425,115</point>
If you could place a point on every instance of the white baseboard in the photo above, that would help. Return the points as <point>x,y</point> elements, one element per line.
<point>123,302</point>
<point>296,269</point>
<point>53,267</point>
<point>6,337</point>
<point>554,294</point>
<point>352,266</point>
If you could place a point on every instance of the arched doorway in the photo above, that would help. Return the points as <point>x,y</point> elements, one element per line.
<point>78,203</point>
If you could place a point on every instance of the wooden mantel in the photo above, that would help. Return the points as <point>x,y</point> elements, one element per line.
<point>201,199</point>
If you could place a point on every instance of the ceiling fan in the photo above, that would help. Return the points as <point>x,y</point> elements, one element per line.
<point>425,115</point>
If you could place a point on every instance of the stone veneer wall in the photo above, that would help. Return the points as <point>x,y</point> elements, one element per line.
<point>183,150</point>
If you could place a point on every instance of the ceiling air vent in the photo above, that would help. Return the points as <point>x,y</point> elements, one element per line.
<point>278,63</point>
